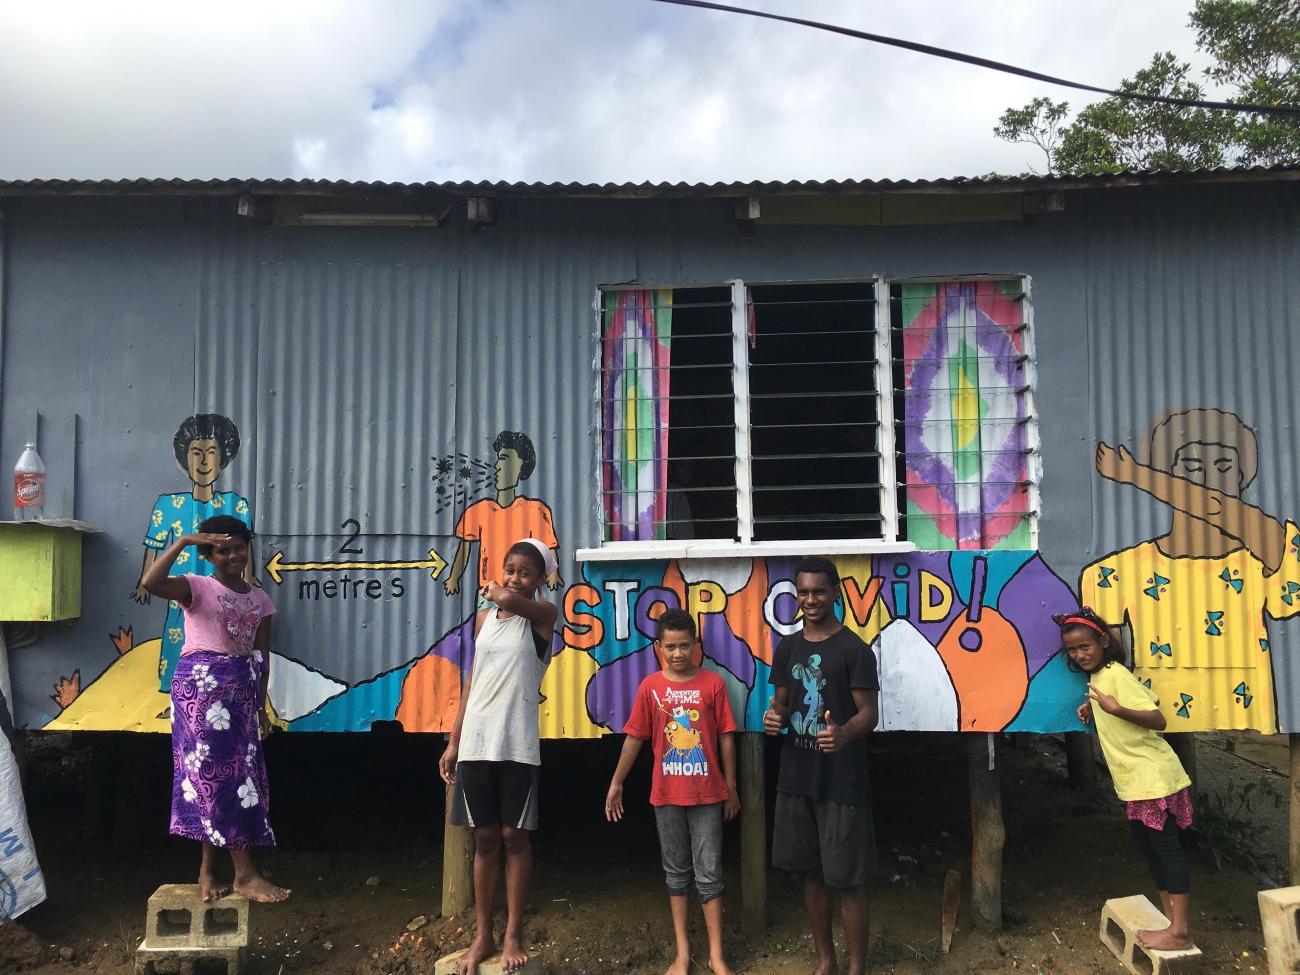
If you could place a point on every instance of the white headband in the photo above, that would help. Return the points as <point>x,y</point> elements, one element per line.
<point>548,557</point>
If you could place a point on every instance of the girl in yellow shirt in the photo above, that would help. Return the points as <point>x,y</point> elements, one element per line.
<point>1145,770</point>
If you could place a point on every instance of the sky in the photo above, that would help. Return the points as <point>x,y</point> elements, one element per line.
<point>542,90</point>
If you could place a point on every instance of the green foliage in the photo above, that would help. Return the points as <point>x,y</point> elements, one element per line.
<point>1256,48</point>
<point>1038,123</point>
<point>1225,820</point>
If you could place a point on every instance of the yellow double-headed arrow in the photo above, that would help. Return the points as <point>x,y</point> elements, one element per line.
<point>278,566</point>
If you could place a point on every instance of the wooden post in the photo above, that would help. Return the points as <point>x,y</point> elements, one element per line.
<point>1080,761</point>
<point>988,834</point>
<point>753,833</point>
<point>1184,745</point>
<point>457,864</point>
<point>1294,740</point>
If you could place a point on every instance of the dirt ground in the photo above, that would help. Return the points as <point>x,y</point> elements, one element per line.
<point>359,817</point>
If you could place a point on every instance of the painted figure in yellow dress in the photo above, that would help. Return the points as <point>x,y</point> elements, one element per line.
<point>1196,599</point>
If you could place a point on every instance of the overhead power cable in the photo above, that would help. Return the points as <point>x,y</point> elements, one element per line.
<point>1285,111</point>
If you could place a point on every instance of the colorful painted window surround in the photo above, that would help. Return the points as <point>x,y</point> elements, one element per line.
<point>967,438</point>
<point>765,421</point>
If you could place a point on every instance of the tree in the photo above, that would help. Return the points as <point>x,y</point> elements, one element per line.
<point>1256,48</point>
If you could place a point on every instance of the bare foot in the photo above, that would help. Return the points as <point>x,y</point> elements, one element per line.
<point>1164,940</point>
<point>719,966</point>
<point>261,890</point>
<point>681,966</point>
<point>826,966</point>
<point>211,888</point>
<point>481,947</point>
<point>513,955</point>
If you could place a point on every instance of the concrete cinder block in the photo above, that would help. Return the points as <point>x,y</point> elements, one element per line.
<point>1279,914</point>
<point>1122,918</point>
<point>490,965</point>
<point>185,960</point>
<point>179,918</point>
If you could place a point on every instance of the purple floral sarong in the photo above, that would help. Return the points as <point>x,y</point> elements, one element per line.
<point>219,788</point>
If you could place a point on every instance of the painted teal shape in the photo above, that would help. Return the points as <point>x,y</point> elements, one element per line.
<point>1158,648</point>
<point>1234,584</point>
<point>645,575</point>
<point>1289,591</point>
<point>1054,695</point>
<point>998,571</point>
<point>1157,583</point>
<point>1147,683</point>
<point>1212,620</point>
<point>759,695</point>
<point>1244,697</point>
<point>357,708</point>
<point>1185,708</point>
<point>1263,645</point>
<point>1105,575</point>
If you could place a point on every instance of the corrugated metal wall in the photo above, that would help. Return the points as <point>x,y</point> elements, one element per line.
<point>353,360</point>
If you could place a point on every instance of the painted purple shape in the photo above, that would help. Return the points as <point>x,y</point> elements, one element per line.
<point>723,646</point>
<point>648,597</point>
<point>457,645</point>
<point>935,563</point>
<point>1027,602</point>
<point>612,689</point>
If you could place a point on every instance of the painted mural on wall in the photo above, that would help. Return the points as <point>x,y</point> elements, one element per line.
<point>963,639</point>
<point>1196,600</point>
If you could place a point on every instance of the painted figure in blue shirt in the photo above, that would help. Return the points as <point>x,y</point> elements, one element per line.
<point>204,445</point>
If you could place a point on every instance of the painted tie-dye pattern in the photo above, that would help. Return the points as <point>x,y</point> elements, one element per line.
<point>219,788</point>
<point>636,352</point>
<point>965,415</point>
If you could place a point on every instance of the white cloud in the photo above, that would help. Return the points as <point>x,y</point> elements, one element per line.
<point>539,89</point>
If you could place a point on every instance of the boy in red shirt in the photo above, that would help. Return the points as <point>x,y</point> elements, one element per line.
<point>684,710</point>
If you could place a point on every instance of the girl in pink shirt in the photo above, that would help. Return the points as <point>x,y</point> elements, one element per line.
<point>219,787</point>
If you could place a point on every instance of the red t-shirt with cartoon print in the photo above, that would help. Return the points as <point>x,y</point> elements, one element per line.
<point>683,721</point>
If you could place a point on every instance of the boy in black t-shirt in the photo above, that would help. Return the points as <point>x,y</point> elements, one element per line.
<point>825,685</point>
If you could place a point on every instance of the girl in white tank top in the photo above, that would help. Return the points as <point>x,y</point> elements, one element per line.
<point>493,753</point>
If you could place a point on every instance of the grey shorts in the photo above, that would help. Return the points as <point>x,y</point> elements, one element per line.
<point>690,844</point>
<point>819,836</point>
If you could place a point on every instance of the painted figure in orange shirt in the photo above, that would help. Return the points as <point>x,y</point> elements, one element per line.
<point>497,523</point>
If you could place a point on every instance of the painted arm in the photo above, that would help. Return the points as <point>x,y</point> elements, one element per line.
<point>626,759</point>
<point>157,581</point>
<point>835,736</point>
<point>554,581</point>
<point>447,763</point>
<point>1153,720</point>
<point>1261,533</point>
<point>140,594</point>
<point>732,807</point>
<point>452,584</point>
<point>777,715</point>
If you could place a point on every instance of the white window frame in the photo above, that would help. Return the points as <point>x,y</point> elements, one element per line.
<point>889,542</point>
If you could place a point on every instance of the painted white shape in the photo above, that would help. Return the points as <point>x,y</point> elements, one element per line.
<point>731,574</point>
<point>916,693</point>
<point>622,605</point>
<point>296,690</point>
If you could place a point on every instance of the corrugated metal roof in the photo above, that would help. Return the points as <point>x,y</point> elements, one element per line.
<point>662,190</point>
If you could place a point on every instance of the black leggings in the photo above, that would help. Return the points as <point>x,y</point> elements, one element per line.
<point>1164,852</point>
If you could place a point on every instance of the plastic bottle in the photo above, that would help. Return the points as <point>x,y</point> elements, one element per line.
<point>29,485</point>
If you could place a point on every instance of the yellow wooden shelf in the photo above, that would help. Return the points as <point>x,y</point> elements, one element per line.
<point>40,569</point>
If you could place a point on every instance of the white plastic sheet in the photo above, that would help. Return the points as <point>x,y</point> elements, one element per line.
<point>22,886</point>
